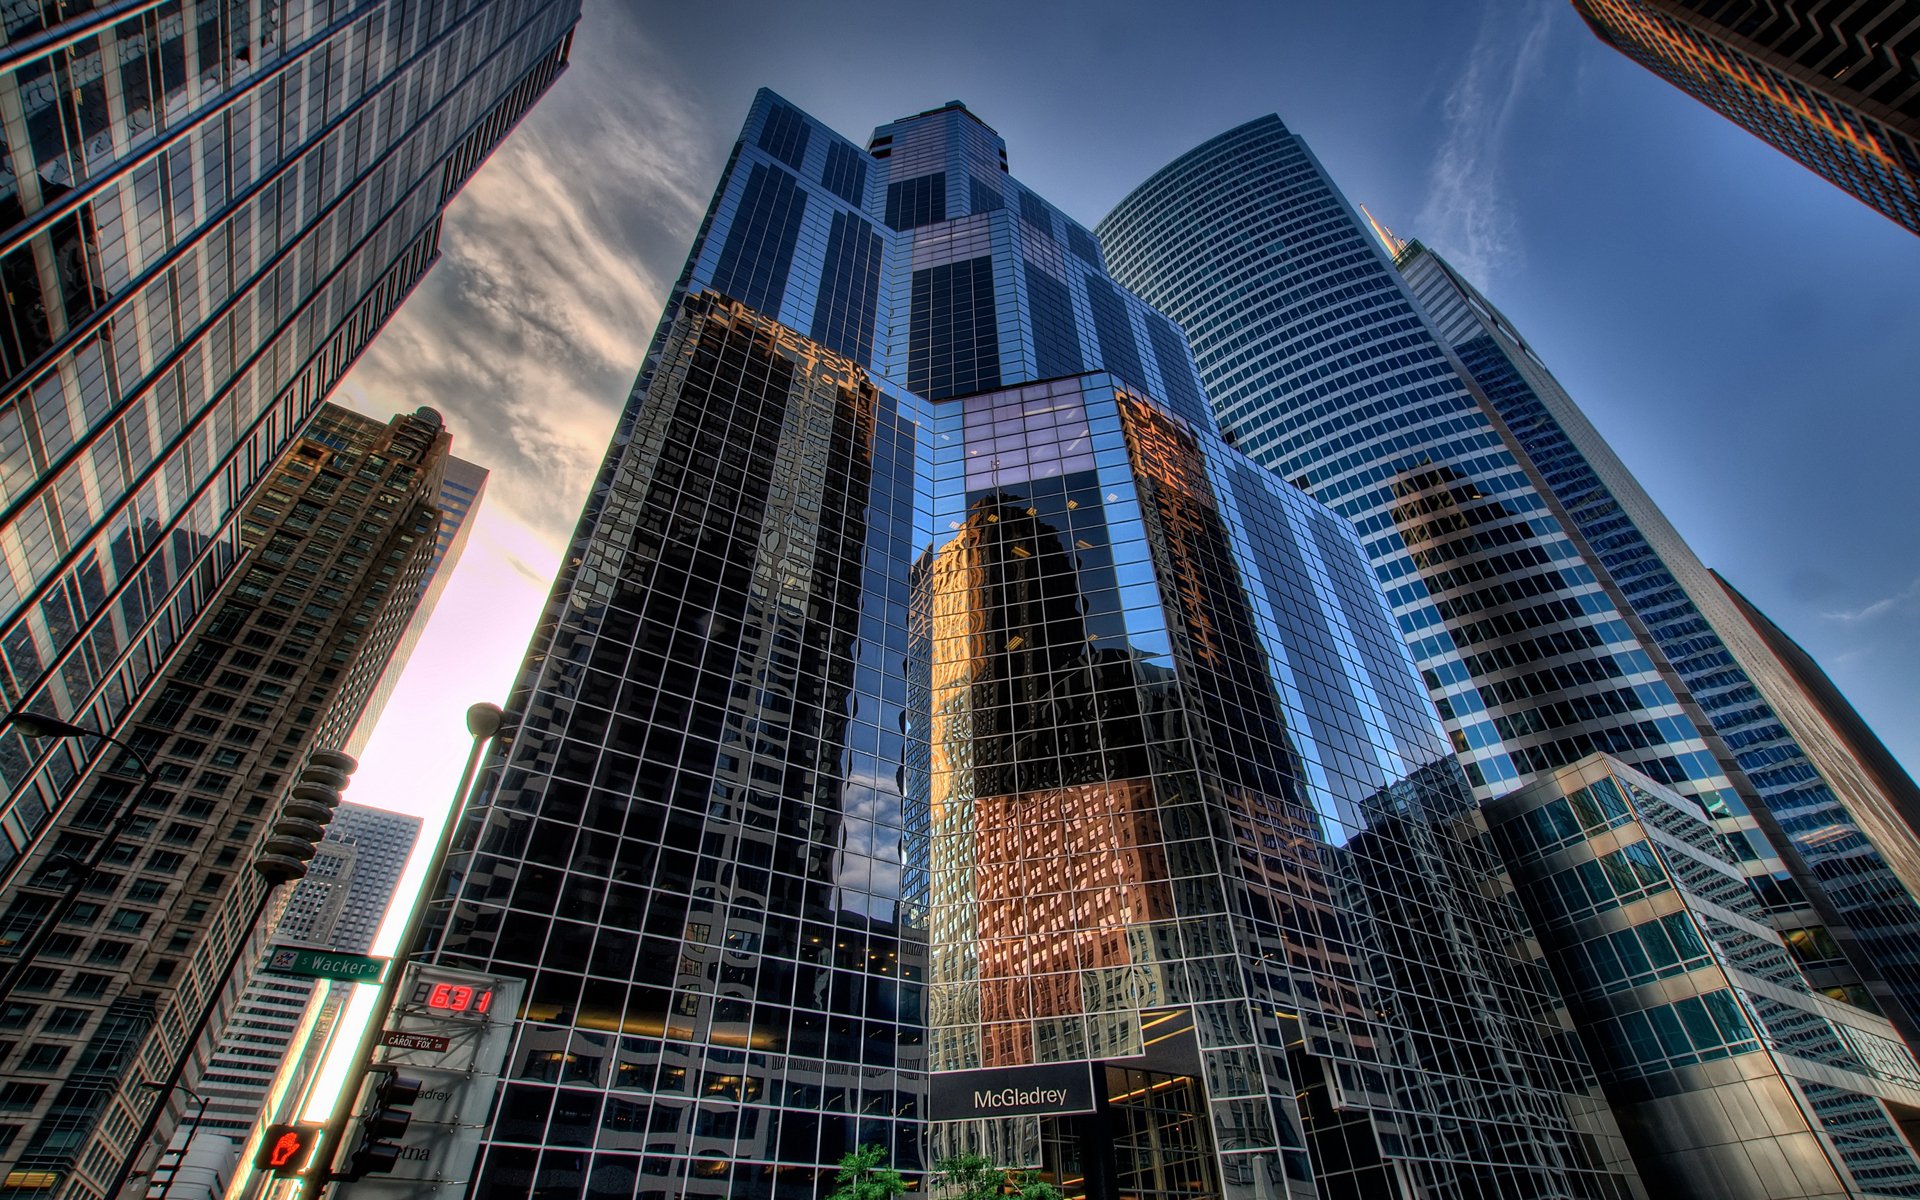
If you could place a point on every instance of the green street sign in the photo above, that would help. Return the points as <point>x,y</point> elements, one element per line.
<point>325,964</point>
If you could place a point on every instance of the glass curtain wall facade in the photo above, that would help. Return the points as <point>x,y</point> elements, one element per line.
<point>1847,807</point>
<point>932,706</point>
<point>1830,84</point>
<point>1322,367</point>
<point>1733,1079</point>
<point>209,209</point>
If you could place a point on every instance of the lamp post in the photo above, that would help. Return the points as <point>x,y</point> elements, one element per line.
<point>485,722</point>
<point>193,1127</point>
<point>39,725</point>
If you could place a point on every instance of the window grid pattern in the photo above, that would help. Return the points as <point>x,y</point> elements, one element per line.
<point>1669,905</point>
<point>912,203</point>
<point>1118,351</point>
<point>806,602</point>
<point>1056,336</point>
<point>784,135</point>
<point>1794,785</point>
<point>953,339</point>
<point>242,233</point>
<point>845,174</point>
<point>758,252</point>
<point>845,313</point>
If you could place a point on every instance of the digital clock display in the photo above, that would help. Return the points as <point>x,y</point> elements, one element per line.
<point>455,999</point>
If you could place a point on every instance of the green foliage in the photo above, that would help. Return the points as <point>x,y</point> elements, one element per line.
<point>864,1177</point>
<point>967,1177</point>
<point>974,1177</point>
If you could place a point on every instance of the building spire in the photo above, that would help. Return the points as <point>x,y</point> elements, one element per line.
<point>1393,244</point>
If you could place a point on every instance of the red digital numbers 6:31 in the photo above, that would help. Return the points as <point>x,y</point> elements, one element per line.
<point>458,999</point>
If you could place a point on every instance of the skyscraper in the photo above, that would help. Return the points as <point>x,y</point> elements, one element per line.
<point>1833,85</point>
<point>939,737</point>
<point>1842,800</point>
<point>1533,581</point>
<point>338,906</point>
<point>459,501</point>
<point>337,544</point>
<point>212,208</point>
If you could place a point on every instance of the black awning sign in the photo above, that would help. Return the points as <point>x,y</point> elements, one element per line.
<point>1011,1092</point>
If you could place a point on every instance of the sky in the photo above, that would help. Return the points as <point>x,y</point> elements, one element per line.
<point>1746,335</point>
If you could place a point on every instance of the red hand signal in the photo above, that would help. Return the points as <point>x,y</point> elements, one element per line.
<point>284,1150</point>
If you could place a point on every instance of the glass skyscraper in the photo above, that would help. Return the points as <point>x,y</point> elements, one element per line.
<point>940,739</point>
<point>1847,807</point>
<point>1553,612</point>
<point>1830,84</point>
<point>210,209</point>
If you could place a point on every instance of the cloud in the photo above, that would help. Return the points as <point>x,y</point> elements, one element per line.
<point>1467,215</point>
<point>556,260</point>
<point>1901,599</point>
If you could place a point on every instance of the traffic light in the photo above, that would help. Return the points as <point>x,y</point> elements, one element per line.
<point>389,1112</point>
<point>284,1149</point>
<point>303,819</point>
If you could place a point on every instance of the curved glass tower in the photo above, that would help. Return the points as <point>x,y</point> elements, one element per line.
<point>1324,367</point>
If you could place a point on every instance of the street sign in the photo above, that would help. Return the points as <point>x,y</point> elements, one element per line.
<point>413,1041</point>
<point>325,964</point>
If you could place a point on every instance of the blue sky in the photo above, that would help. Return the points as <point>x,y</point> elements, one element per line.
<point>1746,335</point>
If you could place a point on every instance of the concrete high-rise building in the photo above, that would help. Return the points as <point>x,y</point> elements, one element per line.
<point>336,546</point>
<point>338,906</point>
<point>460,495</point>
<point>1845,804</point>
<point>1658,944</point>
<point>1835,85</point>
<point>940,739</point>
<point>211,209</point>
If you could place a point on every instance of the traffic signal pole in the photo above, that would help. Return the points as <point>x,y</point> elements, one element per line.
<point>485,722</point>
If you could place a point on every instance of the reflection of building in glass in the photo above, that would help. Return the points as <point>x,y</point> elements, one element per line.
<point>1831,85</point>
<point>1732,1077</point>
<point>1837,795</point>
<point>1323,367</point>
<point>932,707</point>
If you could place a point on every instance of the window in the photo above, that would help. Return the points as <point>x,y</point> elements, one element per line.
<point>88,986</point>
<point>66,1020</point>
<point>127,920</point>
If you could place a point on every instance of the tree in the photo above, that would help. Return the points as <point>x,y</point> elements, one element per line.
<point>974,1177</point>
<point>864,1177</point>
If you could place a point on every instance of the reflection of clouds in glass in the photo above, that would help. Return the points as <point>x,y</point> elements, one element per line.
<point>866,867</point>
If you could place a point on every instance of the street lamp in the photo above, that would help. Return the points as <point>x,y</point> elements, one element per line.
<point>193,1127</point>
<point>39,725</point>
